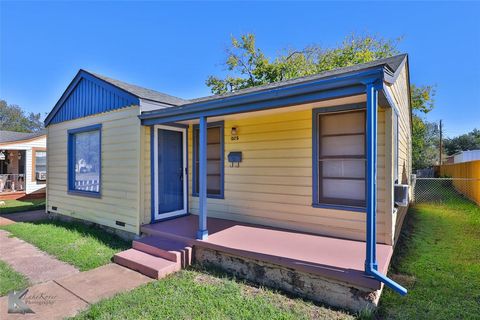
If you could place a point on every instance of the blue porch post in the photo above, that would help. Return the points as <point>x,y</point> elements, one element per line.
<point>371,266</point>
<point>202,232</point>
<point>372,110</point>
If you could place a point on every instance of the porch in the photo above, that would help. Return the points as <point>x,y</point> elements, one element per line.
<point>12,174</point>
<point>326,257</point>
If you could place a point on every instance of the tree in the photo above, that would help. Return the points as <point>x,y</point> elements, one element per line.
<point>464,142</point>
<point>13,118</point>
<point>249,66</point>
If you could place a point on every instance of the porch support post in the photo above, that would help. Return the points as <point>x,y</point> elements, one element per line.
<point>202,233</point>
<point>372,110</point>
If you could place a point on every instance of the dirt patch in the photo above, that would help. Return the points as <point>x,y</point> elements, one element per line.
<point>405,280</point>
<point>207,279</point>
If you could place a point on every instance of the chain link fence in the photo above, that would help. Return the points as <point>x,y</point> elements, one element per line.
<point>445,189</point>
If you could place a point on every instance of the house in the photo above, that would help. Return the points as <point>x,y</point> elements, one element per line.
<point>465,156</point>
<point>23,164</point>
<point>290,184</point>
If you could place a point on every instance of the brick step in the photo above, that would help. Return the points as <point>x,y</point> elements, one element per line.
<point>147,264</point>
<point>173,250</point>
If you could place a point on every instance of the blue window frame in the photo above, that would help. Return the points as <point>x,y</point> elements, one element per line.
<point>339,157</point>
<point>215,160</point>
<point>85,161</point>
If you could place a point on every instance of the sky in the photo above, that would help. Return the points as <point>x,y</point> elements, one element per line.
<point>173,47</point>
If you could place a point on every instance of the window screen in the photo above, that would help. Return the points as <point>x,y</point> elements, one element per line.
<point>84,160</point>
<point>341,158</point>
<point>214,161</point>
<point>40,161</point>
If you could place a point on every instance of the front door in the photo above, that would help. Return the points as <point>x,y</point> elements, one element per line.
<point>170,172</point>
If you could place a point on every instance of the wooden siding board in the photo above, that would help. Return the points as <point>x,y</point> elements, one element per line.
<point>272,186</point>
<point>120,170</point>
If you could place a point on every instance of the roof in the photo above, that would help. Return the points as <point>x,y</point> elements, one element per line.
<point>347,81</point>
<point>85,94</point>
<point>392,63</point>
<point>141,92</point>
<point>13,136</point>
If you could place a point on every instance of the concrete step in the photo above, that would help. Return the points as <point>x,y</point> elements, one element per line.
<point>173,250</point>
<point>147,264</point>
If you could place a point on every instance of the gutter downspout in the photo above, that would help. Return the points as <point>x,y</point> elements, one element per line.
<point>371,266</point>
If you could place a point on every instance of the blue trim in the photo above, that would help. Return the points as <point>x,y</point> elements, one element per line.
<point>202,232</point>
<point>220,124</point>
<point>314,90</point>
<point>90,194</point>
<point>315,133</point>
<point>88,95</point>
<point>149,119</point>
<point>338,207</point>
<point>71,161</point>
<point>371,266</point>
<point>152,173</point>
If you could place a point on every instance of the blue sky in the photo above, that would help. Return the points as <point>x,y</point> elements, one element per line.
<point>174,47</point>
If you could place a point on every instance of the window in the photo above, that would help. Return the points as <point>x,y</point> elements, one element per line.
<point>215,162</point>
<point>340,164</point>
<point>84,160</point>
<point>40,161</point>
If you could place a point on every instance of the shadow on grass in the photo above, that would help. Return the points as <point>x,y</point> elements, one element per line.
<point>217,272</point>
<point>88,230</point>
<point>22,208</point>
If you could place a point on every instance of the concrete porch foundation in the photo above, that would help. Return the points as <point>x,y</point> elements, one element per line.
<point>322,269</point>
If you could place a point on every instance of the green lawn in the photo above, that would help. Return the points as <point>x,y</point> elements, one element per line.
<point>85,247</point>
<point>12,206</point>
<point>192,294</point>
<point>10,279</point>
<point>438,260</point>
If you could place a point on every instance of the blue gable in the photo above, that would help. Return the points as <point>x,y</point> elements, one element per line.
<point>88,95</point>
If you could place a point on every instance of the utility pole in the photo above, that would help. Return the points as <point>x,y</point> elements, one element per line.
<point>440,144</point>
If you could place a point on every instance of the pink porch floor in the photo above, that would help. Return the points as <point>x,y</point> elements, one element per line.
<point>338,259</point>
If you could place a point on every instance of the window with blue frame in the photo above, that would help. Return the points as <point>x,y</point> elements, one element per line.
<point>215,160</point>
<point>84,160</point>
<point>339,159</point>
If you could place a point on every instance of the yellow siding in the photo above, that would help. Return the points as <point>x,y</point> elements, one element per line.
<point>399,91</point>
<point>121,171</point>
<point>273,185</point>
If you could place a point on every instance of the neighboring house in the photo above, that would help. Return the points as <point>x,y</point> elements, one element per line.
<point>23,164</point>
<point>465,156</point>
<point>299,174</point>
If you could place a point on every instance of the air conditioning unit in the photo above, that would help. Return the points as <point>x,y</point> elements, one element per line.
<point>400,195</point>
<point>41,176</point>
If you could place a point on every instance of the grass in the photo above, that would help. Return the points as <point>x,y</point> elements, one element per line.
<point>195,294</point>
<point>12,206</point>
<point>438,260</point>
<point>10,279</point>
<point>85,247</point>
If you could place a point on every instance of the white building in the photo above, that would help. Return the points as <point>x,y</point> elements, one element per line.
<point>23,164</point>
